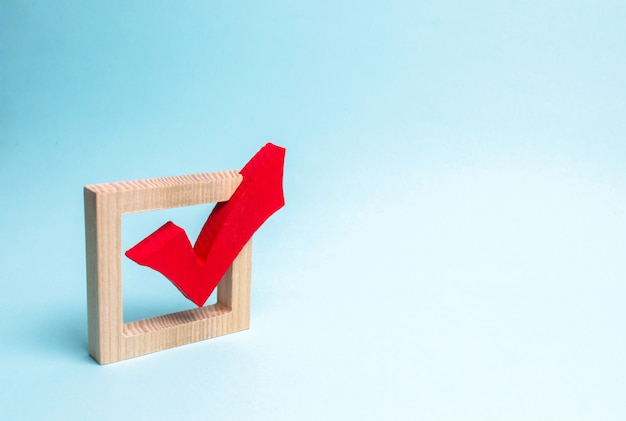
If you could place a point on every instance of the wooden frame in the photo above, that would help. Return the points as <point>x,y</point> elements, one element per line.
<point>110,339</point>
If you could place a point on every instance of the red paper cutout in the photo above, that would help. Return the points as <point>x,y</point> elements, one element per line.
<point>197,271</point>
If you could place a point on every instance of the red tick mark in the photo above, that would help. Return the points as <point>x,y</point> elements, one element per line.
<point>197,271</point>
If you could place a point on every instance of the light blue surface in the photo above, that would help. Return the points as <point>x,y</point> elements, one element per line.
<point>453,242</point>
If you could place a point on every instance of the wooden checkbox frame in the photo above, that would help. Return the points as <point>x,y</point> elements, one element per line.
<point>110,339</point>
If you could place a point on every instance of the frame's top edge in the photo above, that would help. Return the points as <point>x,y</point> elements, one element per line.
<point>176,180</point>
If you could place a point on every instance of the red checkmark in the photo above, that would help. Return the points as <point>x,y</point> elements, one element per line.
<point>197,270</point>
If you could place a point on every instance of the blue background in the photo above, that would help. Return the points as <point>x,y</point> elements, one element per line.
<point>453,242</point>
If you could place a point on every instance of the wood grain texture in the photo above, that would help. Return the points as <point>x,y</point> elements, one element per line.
<point>110,339</point>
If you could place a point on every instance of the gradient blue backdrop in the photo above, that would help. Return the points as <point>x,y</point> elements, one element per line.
<point>453,242</point>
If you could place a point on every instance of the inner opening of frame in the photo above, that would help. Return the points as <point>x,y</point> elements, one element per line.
<point>146,293</point>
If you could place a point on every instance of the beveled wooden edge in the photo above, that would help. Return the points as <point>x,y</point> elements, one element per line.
<point>152,324</point>
<point>152,183</point>
<point>168,192</point>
